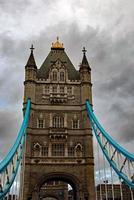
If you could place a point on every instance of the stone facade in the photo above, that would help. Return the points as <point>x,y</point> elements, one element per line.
<point>54,190</point>
<point>59,139</point>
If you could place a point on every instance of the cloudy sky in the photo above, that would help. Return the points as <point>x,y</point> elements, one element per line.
<point>104,27</point>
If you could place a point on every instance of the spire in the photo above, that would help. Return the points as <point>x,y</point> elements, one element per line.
<point>84,59</point>
<point>31,61</point>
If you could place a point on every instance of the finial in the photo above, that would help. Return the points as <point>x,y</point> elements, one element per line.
<point>57,44</point>
<point>84,50</point>
<point>32,48</point>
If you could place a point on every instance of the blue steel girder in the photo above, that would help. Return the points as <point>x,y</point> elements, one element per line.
<point>118,158</point>
<point>10,164</point>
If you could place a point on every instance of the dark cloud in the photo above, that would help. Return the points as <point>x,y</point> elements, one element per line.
<point>111,60</point>
<point>9,126</point>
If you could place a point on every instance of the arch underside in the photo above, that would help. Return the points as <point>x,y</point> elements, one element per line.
<point>64,177</point>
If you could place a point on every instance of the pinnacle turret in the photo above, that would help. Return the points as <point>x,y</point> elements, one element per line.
<point>31,61</point>
<point>84,63</point>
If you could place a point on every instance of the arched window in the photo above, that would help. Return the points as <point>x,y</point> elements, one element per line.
<point>46,89</point>
<point>61,89</point>
<point>54,89</point>
<point>71,151</point>
<point>54,76</point>
<point>37,149</point>
<point>75,124</point>
<point>78,150</point>
<point>62,76</point>
<point>58,149</point>
<point>40,123</point>
<point>69,90</point>
<point>58,122</point>
<point>44,151</point>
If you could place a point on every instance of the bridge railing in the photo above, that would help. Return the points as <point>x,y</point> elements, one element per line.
<point>10,164</point>
<point>118,158</point>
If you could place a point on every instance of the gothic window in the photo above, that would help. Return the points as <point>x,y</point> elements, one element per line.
<point>69,90</point>
<point>44,151</point>
<point>37,149</point>
<point>54,75</point>
<point>78,150</point>
<point>46,89</point>
<point>58,149</point>
<point>61,89</point>
<point>58,122</point>
<point>54,89</point>
<point>40,123</point>
<point>62,76</point>
<point>75,124</point>
<point>70,151</point>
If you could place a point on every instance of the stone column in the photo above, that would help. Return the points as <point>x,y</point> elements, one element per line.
<point>49,149</point>
<point>66,150</point>
<point>35,195</point>
<point>65,121</point>
<point>50,124</point>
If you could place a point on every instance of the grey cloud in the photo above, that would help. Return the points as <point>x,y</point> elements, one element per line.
<point>111,61</point>
<point>127,129</point>
<point>9,125</point>
<point>122,82</point>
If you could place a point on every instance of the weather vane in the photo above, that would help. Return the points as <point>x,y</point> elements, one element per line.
<point>32,48</point>
<point>84,50</point>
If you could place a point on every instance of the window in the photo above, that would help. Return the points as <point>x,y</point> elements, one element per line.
<point>62,89</point>
<point>54,89</point>
<point>78,150</point>
<point>37,149</point>
<point>58,149</point>
<point>70,151</point>
<point>75,124</point>
<point>69,90</point>
<point>62,77</point>
<point>44,151</point>
<point>58,122</point>
<point>54,76</point>
<point>49,183</point>
<point>46,89</point>
<point>40,123</point>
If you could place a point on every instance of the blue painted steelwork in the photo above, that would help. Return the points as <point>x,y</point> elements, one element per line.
<point>96,125</point>
<point>8,185</point>
<point>17,147</point>
<point>106,135</point>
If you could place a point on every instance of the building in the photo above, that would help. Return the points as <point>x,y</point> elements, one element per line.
<point>119,191</point>
<point>59,143</point>
<point>54,190</point>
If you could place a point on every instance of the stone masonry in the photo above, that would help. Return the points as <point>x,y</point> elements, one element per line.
<point>59,142</point>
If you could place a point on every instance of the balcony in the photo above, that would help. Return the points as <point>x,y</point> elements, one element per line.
<point>58,97</point>
<point>58,133</point>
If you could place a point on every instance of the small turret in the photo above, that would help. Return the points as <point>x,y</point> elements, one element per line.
<point>30,68</point>
<point>31,60</point>
<point>85,63</point>
<point>30,77</point>
<point>85,69</point>
<point>85,76</point>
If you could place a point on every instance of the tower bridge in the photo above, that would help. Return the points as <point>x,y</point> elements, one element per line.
<point>52,157</point>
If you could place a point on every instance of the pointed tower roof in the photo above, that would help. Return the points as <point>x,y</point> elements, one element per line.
<point>31,61</point>
<point>84,63</point>
<point>57,53</point>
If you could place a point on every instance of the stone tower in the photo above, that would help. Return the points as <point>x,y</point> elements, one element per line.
<point>59,143</point>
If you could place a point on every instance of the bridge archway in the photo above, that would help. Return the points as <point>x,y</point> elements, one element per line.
<point>49,197</point>
<point>63,177</point>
